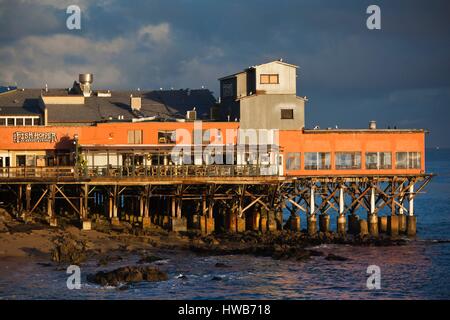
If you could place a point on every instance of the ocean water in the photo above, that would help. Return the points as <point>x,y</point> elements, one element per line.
<point>420,270</point>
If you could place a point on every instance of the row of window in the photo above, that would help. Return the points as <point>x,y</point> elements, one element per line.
<point>352,160</point>
<point>269,79</point>
<point>19,121</point>
<point>169,136</point>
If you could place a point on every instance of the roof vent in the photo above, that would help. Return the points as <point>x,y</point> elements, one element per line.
<point>135,103</point>
<point>191,115</point>
<point>86,80</point>
<point>372,124</point>
<point>104,94</point>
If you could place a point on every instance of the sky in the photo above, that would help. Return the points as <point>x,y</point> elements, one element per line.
<point>398,76</point>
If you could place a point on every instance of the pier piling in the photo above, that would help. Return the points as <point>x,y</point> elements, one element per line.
<point>237,206</point>
<point>411,226</point>
<point>393,225</point>
<point>312,225</point>
<point>382,224</point>
<point>341,224</point>
<point>373,225</point>
<point>324,223</point>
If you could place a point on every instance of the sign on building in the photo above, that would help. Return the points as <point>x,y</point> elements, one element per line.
<point>25,137</point>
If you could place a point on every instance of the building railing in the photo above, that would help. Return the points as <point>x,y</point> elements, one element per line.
<point>37,172</point>
<point>77,172</point>
<point>178,171</point>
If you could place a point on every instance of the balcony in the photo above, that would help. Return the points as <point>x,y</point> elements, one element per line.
<point>125,172</point>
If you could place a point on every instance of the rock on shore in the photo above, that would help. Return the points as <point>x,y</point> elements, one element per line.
<point>68,250</point>
<point>127,275</point>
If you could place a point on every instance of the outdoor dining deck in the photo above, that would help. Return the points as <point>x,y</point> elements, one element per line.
<point>124,172</point>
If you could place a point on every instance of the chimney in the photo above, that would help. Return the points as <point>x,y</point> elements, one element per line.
<point>86,80</point>
<point>135,103</point>
<point>191,115</point>
<point>372,125</point>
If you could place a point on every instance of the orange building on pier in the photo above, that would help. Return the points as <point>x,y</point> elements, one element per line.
<point>243,159</point>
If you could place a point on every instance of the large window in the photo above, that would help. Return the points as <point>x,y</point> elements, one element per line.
<point>401,160</point>
<point>293,161</point>
<point>135,136</point>
<point>269,79</point>
<point>317,161</point>
<point>378,160</point>
<point>227,90</point>
<point>414,160</point>
<point>408,160</point>
<point>206,136</point>
<point>19,121</point>
<point>167,137</point>
<point>287,113</point>
<point>348,160</point>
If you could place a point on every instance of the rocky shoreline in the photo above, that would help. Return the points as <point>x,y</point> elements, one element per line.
<point>66,245</point>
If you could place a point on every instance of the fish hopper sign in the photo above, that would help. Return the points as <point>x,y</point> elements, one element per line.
<point>27,137</point>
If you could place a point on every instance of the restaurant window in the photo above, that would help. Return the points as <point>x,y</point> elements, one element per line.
<point>227,90</point>
<point>378,160</point>
<point>10,121</point>
<point>348,160</point>
<point>30,160</point>
<point>317,161</point>
<point>401,160</point>
<point>135,136</point>
<point>293,161</point>
<point>287,113</point>
<point>206,136</point>
<point>20,160</point>
<point>384,160</point>
<point>19,122</point>
<point>29,121</point>
<point>2,121</point>
<point>167,137</point>
<point>217,136</point>
<point>269,79</point>
<point>413,160</point>
<point>40,161</point>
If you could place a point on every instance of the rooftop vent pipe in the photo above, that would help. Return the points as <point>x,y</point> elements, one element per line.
<point>135,103</point>
<point>372,125</point>
<point>191,115</point>
<point>86,80</point>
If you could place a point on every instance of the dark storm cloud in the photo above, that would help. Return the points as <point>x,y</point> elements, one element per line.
<point>19,19</point>
<point>398,75</point>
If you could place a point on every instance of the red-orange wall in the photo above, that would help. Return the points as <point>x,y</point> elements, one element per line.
<point>296,141</point>
<point>106,133</point>
<point>290,141</point>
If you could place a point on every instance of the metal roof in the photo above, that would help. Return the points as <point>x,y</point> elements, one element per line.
<point>163,104</point>
<point>255,66</point>
<point>20,102</point>
<point>362,130</point>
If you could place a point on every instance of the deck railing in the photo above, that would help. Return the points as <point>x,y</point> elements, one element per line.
<point>37,172</point>
<point>78,172</point>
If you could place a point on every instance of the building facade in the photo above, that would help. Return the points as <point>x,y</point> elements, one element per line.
<point>105,130</point>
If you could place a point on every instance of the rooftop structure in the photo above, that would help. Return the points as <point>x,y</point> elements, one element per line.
<point>71,107</point>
